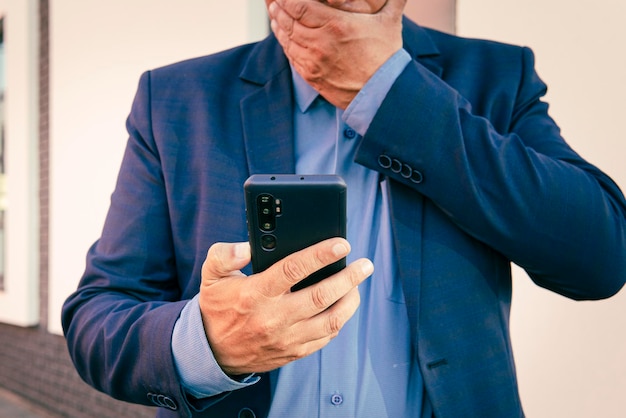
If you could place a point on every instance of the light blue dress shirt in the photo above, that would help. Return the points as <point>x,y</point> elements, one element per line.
<point>368,370</point>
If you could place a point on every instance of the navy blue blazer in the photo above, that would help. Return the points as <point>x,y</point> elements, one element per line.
<point>478,176</point>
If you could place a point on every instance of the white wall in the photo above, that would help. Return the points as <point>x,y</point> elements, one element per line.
<point>98,51</point>
<point>571,357</point>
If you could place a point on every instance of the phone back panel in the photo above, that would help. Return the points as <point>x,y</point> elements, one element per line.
<point>289,212</point>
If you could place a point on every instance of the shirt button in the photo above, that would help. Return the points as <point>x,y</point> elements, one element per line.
<point>336,399</point>
<point>349,133</point>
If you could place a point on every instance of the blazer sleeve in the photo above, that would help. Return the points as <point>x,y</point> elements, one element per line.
<point>504,174</point>
<point>119,322</point>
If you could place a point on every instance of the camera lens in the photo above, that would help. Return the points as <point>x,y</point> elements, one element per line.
<point>265,203</point>
<point>268,242</point>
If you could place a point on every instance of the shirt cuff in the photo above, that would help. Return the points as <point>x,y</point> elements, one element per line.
<point>197,368</point>
<point>364,106</point>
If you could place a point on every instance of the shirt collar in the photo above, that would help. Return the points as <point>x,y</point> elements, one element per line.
<point>305,95</point>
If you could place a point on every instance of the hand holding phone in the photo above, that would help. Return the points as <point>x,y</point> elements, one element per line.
<point>255,324</point>
<point>289,212</point>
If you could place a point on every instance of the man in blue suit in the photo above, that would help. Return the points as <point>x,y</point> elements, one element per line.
<point>454,170</point>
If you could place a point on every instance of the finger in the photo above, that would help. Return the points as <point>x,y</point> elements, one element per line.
<point>290,32</point>
<point>225,259</point>
<point>280,278</point>
<point>322,295</point>
<point>309,13</point>
<point>303,46</point>
<point>313,334</point>
<point>327,324</point>
<point>279,19</point>
<point>304,57</point>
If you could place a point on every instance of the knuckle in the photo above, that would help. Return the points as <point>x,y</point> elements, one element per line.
<point>288,27</point>
<point>284,346</point>
<point>319,297</point>
<point>212,255</point>
<point>214,260</point>
<point>315,70</point>
<point>281,346</point>
<point>300,10</point>
<point>354,277</point>
<point>333,325</point>
<point>337,28</point>
<point>269,328</point>
<point>293,270</point>
<point>299,352</point>
<point>312,72</point>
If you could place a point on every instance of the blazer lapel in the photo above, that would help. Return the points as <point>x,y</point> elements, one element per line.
<point>267,111</point>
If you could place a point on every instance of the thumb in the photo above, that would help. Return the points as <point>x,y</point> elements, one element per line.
<point>225,259</point>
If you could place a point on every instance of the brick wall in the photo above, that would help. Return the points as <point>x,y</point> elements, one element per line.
<point>34,364</point>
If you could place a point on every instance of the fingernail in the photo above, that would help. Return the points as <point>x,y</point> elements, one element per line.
<point>242,250</point>
<point>340,250</point>
<point>367,267</point>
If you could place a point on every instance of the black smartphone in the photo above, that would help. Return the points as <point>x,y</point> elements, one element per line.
<point>289,212</point>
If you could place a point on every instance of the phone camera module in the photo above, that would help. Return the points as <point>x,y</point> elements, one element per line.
<point>268,242</point>
<point>266,212</point>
